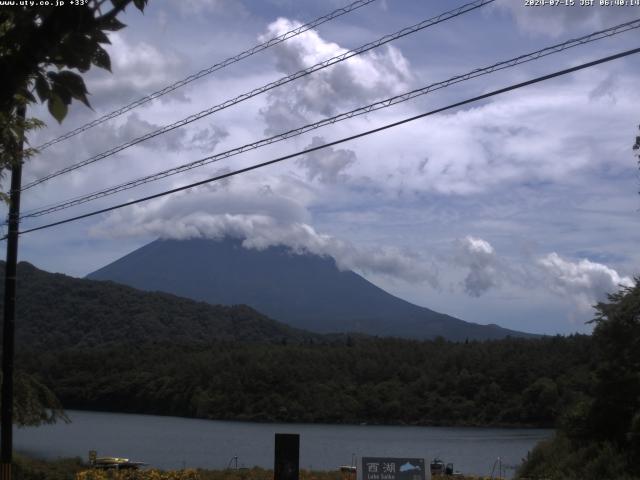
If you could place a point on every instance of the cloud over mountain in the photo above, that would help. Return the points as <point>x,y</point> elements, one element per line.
<point>585,281</point>
<point>261,221</point>
<point>545,169</point>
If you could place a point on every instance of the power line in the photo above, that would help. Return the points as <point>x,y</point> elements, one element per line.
<point>337,118</point>
<point>270,86</point>
<point>337,142</point>
<point>218,66</point>
<point>343,116</point>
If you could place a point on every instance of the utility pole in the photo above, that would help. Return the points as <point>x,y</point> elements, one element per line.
<point>8,327</point>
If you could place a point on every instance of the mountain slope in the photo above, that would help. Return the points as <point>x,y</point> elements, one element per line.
<point>305,291</point>
<point>55,311</point>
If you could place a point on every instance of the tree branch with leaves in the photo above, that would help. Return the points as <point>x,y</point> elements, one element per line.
<point>44,50</point>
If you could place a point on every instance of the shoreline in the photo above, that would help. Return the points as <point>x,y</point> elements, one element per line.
<point>500,426</point>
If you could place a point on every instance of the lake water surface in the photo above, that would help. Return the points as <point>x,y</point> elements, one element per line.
<point>172,442</point>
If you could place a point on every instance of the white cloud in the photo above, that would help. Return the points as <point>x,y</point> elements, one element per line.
<point>605,89</point>
<point>479,257</point>
<point>556,21</point>
<point>205,139</point>
<point>204,9</point>
<point>354,82</point>
<point>530,137</point>
<point>261,218</point>
<point>584,281</point>
<point>138,69</point>
<point>549,166</point>
<point>328,164</point>
<point>133,127</point>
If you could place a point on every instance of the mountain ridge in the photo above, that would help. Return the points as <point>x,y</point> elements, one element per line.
<point>56,311</point>
<point>300,289</point>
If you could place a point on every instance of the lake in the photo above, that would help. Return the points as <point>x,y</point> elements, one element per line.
<point>172,442</point>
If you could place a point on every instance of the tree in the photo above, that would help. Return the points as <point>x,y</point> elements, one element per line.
<point>41,50</point>
<point>599,435</point>
<point>615,412</point>
<point>34,403</point>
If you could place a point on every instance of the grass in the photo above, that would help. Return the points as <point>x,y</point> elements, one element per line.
<point>27,468</point>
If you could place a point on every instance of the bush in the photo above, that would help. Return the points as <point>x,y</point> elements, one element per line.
<point>25,468</point>
<point>562,459</point>
<point>130,474</point>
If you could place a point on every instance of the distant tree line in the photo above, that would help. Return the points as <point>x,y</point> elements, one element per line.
<point>511,382</point>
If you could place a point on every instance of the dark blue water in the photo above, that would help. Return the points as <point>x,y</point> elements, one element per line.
<point>171,442</point>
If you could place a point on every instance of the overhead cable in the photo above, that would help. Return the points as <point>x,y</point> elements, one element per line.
<point>218,66</point>
<point>270,86</point>
<point>337,142</point>
<point>334,119</point>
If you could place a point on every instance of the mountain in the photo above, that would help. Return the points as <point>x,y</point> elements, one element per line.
<point>55,311</point>
<point>303,290</point>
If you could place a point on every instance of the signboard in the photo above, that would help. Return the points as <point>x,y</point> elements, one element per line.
<point>379,468</point>
<point>286,465</point>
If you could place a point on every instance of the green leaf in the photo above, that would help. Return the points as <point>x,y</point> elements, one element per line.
<point>140,4</point>
<point>100,37</point>
<point>83,60</point>
<point>72,81</point>
<point>113,25</point>
<point>101,58</point>
<point>58,89</point>
<point>29,96</point>
<point>57,108</point>
<point>68,84</point>
<point>42,87</point>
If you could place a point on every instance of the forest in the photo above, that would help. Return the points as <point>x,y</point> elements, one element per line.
<point>511,382</point>
<point>55,311</point>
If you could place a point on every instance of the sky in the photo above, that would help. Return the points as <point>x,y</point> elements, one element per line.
<point>520,210</point>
